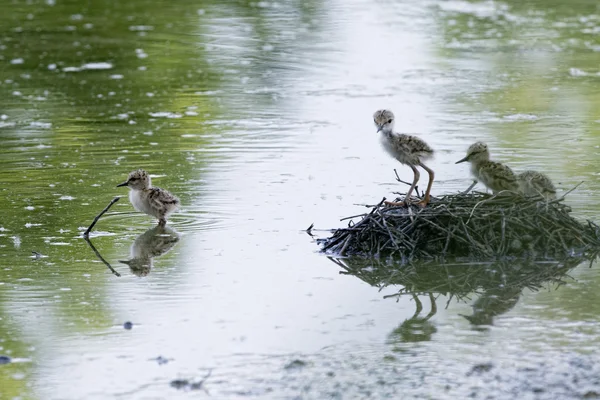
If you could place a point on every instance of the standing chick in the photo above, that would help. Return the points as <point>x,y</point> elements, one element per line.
<point>153,201</point>
<point>409,150</point>
<point>494,175</point>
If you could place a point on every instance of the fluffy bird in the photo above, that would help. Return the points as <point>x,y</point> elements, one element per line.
<point>494,175</point>
<point>408,150</point>
<point>153,201</point>
<point>533,183</point>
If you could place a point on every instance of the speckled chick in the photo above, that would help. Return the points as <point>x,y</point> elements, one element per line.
<point>494,175</point>
<point>153,201</point>
<point>533,183</point>
<point>408,150</point>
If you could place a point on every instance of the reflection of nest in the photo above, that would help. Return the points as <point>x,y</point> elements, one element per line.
<point>499,284</point>
<point>478,225</point>
<point>458,279</point>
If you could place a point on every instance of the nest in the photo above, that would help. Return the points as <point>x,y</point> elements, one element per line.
<point>476,226</point>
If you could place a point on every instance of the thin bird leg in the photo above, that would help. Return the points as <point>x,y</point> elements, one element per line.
<point>162,221</point>
<point>406,201</point>
<point>426,199</point>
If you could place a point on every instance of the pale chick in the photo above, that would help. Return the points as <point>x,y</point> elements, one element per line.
<point>153,201</point>
<point>494,175</point>
<point>408,150</point>
<point>533,183</point>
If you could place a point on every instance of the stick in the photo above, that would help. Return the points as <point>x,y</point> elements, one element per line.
<point>86,234</point>
<point>470,187</point>
<point>309,230</point>
<point>400,180</point>
<point>99,255</point>
<point>566,193</point>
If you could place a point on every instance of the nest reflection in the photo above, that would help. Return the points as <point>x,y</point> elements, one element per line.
<point>497,284</point>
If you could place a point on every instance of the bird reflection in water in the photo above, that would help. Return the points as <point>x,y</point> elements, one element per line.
<point>492,303</point>
<point>155,242</point>
<point>416,328</point>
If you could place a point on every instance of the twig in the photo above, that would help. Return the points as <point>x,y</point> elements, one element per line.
<point>100,256</point>
<point>470,187</point>
<point>86,234</point>
<point>346,243</point>
<point>400,180</point>
<point>309,229</point>
<point>566,193</point>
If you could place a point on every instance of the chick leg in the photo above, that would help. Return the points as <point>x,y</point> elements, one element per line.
<point>426,199</point>
<point>416,176</point>
<point>162,220</point>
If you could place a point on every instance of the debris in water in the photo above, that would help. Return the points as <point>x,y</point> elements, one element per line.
<point>296,364</point>
<point>480,368</point>
<point>185,384</point>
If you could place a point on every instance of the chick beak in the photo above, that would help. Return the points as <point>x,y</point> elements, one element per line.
<point>379,128</point>
<point>123,184</point>
<point>462,160</point>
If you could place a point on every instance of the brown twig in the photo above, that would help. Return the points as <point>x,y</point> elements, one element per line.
<point>86,234</point>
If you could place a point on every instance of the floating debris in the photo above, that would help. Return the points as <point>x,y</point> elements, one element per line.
<point>161,360</point>
<point>477,225</point>
<point>37,255</point>
<point>128,325</point>
<point>480,368</point>
<point>5,360</point>
<point>185,384</point>
<point>296,364</point>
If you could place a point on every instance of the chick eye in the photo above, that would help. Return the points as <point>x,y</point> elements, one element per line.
<point>133,179</point>
<point>389,121</point>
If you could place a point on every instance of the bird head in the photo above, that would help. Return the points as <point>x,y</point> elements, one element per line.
<point>384,121</point>
<point>476,152</point>
<point>137,180</point>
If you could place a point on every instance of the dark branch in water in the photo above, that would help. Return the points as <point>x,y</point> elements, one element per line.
<point>87,239</point>
<point>309,229</point>
<point>86,234</point>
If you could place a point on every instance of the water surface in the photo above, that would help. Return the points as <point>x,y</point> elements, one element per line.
<point>259,117</point>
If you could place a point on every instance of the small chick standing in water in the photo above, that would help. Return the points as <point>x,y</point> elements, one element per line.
<point>150,200</point>
<point>494,175</point>
<point>409,150</point>
<point>533,183</point>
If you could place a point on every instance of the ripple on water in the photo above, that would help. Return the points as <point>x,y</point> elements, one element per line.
<point>186,221</point>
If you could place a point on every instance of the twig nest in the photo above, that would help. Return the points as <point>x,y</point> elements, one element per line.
<point>475,225</point>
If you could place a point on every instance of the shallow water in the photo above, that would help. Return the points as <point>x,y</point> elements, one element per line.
<point>258,116</point>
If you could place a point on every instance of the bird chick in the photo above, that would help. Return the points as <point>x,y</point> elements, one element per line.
<point>153,201</point>
<point>408,150</point>
<point>494,175</point>
<point>533,183</point>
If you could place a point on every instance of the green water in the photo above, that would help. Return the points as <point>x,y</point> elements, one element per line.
<point>257,115</point>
